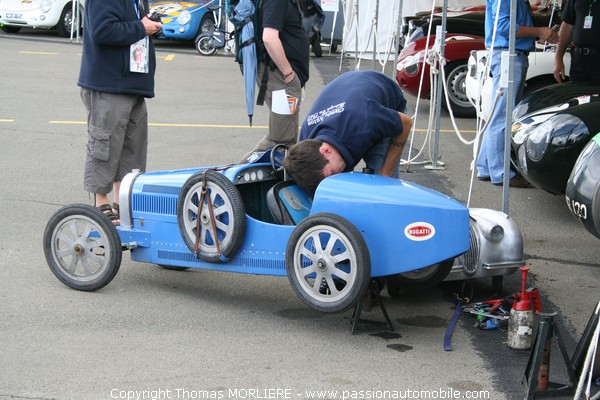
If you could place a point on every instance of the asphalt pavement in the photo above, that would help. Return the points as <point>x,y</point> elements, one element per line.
<point>154,333</point>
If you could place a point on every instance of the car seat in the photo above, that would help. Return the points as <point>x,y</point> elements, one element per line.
<point>288,203</point>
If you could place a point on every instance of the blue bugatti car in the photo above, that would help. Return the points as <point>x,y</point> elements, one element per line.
<point>245,218</point>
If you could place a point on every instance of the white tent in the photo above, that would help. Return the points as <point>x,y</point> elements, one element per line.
<point>376,21</point>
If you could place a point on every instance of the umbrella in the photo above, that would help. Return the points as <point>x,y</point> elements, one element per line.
<point>243,12</point>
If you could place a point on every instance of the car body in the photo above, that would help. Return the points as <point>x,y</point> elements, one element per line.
<point>547,141</point>
<point>583,187</point>
<point>184,20</point>
<point>38,14</point>
<point>358,227</point>
<point>479,84</point>
<point>413,69</point>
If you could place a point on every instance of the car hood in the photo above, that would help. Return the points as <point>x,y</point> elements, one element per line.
<point>173,9</point>
<point>551,95</point>
<point>20,5</point>
<point>451,40</point>
<point>586,108</point>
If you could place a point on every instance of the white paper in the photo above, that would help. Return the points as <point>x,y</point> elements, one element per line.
<point>279,103</point>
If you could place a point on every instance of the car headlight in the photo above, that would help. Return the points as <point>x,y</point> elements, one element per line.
<point>410,64</point>
<point>537,142</point>
<point>556,129</point>
<point>184,17</point>
<point>522,160</point>
<point>520,131</point>
<point>45,6</point>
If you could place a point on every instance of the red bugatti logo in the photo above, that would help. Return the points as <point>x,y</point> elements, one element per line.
<point>419,231</point>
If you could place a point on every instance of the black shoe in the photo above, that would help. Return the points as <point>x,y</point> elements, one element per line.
<point>516,181</point>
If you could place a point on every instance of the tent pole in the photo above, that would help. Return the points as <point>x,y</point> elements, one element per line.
<point>510,95</point>
<point>397,40</point>
<point>376,23</point>
<point>441,39</point>
<point>357,5</point>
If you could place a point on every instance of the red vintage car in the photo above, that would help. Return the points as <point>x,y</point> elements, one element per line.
<point>414,65</point>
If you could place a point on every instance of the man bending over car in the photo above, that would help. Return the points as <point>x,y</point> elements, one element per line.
<point>359,115</point>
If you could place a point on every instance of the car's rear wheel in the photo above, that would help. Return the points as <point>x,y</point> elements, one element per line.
<point>456,75</point>
<point>328,263</point>
<point>419,279</point>
<point>82,247</point>
<point>10,29</point>
<point>221,241</point>
<point>207,24</point>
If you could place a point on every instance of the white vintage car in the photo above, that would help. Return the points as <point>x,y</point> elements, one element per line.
<point>479,87</point>
<point>42,14</point>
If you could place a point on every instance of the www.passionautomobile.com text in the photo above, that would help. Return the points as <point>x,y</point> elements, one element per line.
<point>284,394</point>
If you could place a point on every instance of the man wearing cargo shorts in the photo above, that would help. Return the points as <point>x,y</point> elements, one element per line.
<point>116,75</point>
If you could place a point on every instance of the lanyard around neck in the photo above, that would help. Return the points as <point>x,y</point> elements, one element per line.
<point>137,6</point>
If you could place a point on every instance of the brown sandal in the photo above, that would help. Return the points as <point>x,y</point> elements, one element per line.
<point>115,208</point>
<point>108,211</point>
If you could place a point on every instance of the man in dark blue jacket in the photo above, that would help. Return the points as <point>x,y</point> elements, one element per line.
<point>116,75</point>
<point>358,116</point>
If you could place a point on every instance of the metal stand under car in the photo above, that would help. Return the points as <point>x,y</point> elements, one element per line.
<point>536,377</point>
<point>366,303</point>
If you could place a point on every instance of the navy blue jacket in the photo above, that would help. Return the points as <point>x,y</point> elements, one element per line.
<point>110,28</point>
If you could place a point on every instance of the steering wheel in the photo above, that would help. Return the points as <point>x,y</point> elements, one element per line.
<point>276,157</point>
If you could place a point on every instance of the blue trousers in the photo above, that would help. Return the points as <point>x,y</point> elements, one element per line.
<point>490,161</point>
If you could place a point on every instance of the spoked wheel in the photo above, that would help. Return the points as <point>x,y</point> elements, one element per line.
<point>276,159</point>
<point>82,247</point>
<point>419,279</point>
<point>328,263</point>
<point>204,47</point>
<point>227,213</point>
<point>456,75</point>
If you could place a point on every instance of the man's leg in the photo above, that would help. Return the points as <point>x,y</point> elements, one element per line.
<point>375,157</point>
<point>107,115</point>
<point>283,129</point>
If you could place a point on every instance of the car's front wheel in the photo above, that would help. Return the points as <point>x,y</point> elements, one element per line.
<point>82,247</point>
<point>419,279</point>
<point>10,29</point>
<point>66,21</point>
<point>328,263</point>
<point>456,75</point>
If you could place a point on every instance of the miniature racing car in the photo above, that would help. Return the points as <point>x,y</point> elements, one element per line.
<point>245,218</point>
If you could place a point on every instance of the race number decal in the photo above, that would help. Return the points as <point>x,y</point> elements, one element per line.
<point>419,231</point>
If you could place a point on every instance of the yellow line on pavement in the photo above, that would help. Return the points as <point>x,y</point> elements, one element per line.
<point>46,53</point>
<point>222,126</point>
<point>210,126</point>
<point>7,120</point>
<point>169,57</point>
<point>68,122</point>
<point>172,125</point>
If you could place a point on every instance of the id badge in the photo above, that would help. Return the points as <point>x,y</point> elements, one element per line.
<point>587,22</point>
<point>138,56</point>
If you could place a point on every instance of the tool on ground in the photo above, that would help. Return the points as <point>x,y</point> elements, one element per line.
<point>521,318</point>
